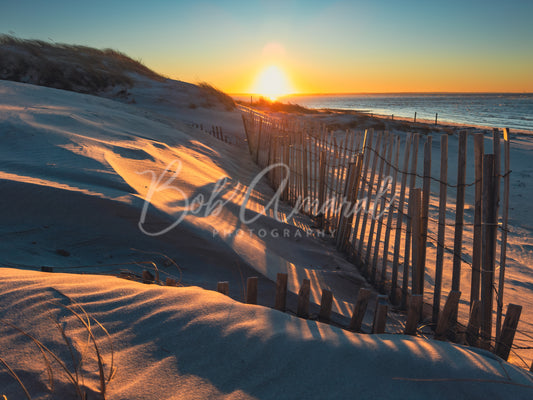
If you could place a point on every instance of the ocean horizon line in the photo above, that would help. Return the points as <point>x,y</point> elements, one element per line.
<point>383,93</point>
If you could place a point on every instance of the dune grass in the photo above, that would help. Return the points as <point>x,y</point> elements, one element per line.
<point>212,92</point>
<point>69,67</point>
<point>53,356</point>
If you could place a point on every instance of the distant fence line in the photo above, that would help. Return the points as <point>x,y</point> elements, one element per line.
<point>405,251</point>
<point>216,132</point>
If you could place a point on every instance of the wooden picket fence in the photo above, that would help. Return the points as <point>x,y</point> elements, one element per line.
<point>413,224</point>
<point>443,329</point>
<point>215,131</point>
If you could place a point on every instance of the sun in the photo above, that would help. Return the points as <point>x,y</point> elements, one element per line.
<point>272,82</point>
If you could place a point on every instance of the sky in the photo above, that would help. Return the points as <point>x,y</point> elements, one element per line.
<point>373,46</point>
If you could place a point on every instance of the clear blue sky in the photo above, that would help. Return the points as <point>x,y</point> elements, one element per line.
<point>343,46</point>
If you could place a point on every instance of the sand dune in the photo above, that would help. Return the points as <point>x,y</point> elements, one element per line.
<point>81,175</point>
<point>186,343</point>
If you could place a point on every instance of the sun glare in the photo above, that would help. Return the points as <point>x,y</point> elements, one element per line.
<point>272,83</point>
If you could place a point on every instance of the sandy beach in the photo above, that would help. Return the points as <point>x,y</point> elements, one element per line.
<point>113,194</point>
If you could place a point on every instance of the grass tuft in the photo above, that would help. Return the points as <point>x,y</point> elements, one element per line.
<point>212,93</point>
<point>70,67</point>
<point>54,357</point>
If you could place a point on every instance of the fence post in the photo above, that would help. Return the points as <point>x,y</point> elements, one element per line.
<point>246,133</point>
<point>413,314</point>
<point>490,221</point>
<point>286,161</point>
<point>170,282</point>
<point>325,305</point>
<point>442,226</point>
<point>505,218</point>
<point>477,244</point>
<point>447,319</point>
<point>305,147</point>
<point>415,203</point>
<point>223,287</point>
<point>258,147</point>
<point>281,292</point>
<point>426,193</point>
<point>380,315</point>
<point>472,330</point>
<point>147,277</point>
<point>459,212</point>
<point>322,189</point>
<point>351,191</point>
<point>303,299</point>
<point>359,309</point>
<point>251,290</point>
<point>407,254</point>
<point>505,341</point>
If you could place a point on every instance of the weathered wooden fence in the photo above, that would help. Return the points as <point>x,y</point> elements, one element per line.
<point>216,132</point>
<point>416,227</point>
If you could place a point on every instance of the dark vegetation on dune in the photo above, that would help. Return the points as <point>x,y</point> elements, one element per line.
<point>83,69</point>
<point>277,106</point>
<point>212,92</point>
<point>69,67</point>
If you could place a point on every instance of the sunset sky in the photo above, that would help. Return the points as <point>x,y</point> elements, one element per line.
<point>309,46</point>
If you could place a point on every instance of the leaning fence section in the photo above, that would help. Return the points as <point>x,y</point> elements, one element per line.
<point>418,223</point>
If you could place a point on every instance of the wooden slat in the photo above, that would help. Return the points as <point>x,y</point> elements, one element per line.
<point>258,144</point>
<point>505,342</point>
<point>426,193</point>
<point>223,287</point>
<point>472,330</point>
<point>350,194</point>
<point>407,248</point>
<point>251,290</point>
<point>447,319</point>
<point>325,305</point>
<point>415,205</point>
<point>459,213</point>
<point>303,299</point>
<point>286,160</point>
<point>443,188</point>
<point>490,221</point>
<point>322,188</point>
<point>380,315</point>
<point>306,164</point>
<point>414,311</point>
<point>170,282</point>
<point>147,276</point>
<point>505,221</point>
<point>477,243</point>
<point>359,309</point>
<point>281,292</point>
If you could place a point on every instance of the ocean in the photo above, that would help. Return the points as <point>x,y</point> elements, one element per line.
<point>513,111</point>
